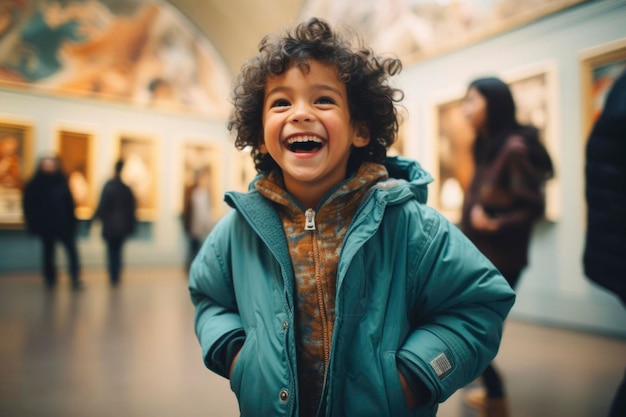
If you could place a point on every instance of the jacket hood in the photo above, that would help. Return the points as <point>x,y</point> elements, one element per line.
<point>406,178</point>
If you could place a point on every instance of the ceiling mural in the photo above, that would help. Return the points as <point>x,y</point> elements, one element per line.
<point>138,52</point>
<point>418,29</point>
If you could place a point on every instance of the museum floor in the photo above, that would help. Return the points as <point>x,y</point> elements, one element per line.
<point>131,352</point>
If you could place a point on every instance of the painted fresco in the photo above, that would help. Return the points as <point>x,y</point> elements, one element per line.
<point>417,29</point>
<point>138,52</point>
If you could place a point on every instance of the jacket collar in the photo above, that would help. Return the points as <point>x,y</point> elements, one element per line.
<point>407,179</point>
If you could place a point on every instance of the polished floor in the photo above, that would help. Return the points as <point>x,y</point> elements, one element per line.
<point>131,352</point>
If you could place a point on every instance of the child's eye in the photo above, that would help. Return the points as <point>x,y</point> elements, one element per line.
<point>280,103</point>
<point>325,100</point>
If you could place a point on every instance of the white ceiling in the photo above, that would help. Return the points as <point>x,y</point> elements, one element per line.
<point>235,27</point>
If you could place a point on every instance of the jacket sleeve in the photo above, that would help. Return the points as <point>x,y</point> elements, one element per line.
<point>459,303</point>
<point>218,325</point>
<point>526,191</point>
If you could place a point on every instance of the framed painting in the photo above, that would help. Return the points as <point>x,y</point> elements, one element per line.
<point>203,157</point>
<point>453,166</point>
<point>16,165</point>
<point>140,172</point>
<point>75,149</point>
<point>600,67</point>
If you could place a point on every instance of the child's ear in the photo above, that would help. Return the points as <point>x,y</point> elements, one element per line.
<point>362,135</point>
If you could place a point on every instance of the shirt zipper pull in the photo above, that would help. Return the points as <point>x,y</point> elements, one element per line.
<point>309,223</point>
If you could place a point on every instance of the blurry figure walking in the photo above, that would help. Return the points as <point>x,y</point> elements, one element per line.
<point>116,211</point>
<point>49,213</point>
<point>605,192</point>
<point>505,198</point>
<point>197,212</point>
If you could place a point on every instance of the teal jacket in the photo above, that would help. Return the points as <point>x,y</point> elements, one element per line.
<point>411,289</point>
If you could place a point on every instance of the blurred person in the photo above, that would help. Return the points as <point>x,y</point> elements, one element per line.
<point>197,212</point>
<point>116,211</point>
<point>331,288</point>
<point>505,199</point>
<point>49,213</point>
<point>604,257</point>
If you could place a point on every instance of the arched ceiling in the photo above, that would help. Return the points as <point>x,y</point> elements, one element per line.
<point>235,27</point>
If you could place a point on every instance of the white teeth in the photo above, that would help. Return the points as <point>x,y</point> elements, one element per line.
<point>295,139</point>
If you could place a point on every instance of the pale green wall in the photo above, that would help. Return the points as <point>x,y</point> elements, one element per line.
<point>553,289</point>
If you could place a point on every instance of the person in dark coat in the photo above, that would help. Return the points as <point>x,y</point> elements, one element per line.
<point>49,213</point>
<point>116,211</point>
<point>505,198</point>
<point>604,257</point>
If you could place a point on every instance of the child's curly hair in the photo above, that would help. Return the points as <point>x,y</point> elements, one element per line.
<point>370,99</point>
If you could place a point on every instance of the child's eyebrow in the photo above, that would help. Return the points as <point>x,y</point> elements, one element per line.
<point>328,87</point>
<point>323,87</point>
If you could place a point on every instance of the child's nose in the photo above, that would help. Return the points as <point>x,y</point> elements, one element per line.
<point>302,113</point>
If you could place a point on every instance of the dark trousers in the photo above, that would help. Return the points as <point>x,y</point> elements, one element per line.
<point>618,406</point>
<point>49,261</point>
<point>490,376</point>
<point>114,258</point>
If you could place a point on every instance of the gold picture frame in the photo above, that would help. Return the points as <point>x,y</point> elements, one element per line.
<point>600,67</point>
<point>533,89</point>
<point>16,166</point>
<point>75,148</point>
<point>140,172</point>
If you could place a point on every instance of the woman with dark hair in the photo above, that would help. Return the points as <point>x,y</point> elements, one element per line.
<point>505,198</point>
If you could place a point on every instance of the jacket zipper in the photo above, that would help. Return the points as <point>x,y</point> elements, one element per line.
<point>309,219</point>
<point>310,226</point>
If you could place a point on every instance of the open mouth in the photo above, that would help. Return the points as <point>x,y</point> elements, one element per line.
<point>303,144</point>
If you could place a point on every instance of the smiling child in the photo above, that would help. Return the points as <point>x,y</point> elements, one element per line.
<point>330,289</point>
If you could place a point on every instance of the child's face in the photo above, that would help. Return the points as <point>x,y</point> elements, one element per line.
<point>307,128</point>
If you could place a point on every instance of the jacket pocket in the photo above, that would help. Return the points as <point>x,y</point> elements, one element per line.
<point>395,394</point>
<point>393,386</point>
<point>249,347</point>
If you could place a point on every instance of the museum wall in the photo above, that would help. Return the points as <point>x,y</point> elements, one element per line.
<point>159,239</point>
